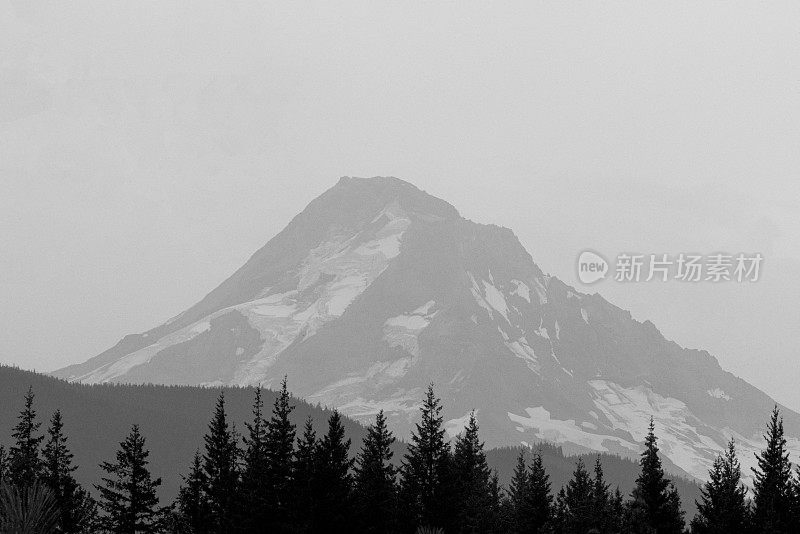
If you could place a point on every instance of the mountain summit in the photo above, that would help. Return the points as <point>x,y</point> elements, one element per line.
<point>377,289</point>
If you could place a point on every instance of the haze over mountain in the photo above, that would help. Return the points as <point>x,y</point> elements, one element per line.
<point>377,289</point>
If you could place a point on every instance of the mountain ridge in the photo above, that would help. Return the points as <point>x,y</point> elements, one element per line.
<point>377,288</point>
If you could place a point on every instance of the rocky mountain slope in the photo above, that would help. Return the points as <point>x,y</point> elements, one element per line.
<point>377,289</point>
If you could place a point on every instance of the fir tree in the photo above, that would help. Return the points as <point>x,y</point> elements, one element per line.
<point>128,495</point>
<point>3,465</point>
<point>255,509</point>
<point>579,502</point>
<point>655,503</point>
<point>559,518</point>
<point>192,502</point>
<point>279,451</point>
<point>616,511</point>
<point>425,468</point>
<point>76,508</point>
<point>723,506</point>
<point>471,475</point>
<point>375,479</point>
<point>517,494</point>
<point>332,480</point>
<point>221,466</point>
<point>303,476</point>
<point>772,490</point>
<point>539,500</point>
<point>24,462</point>
<point>602,509</point>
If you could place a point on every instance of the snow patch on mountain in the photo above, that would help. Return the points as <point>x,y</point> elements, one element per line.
<point>682,436</point>
<point>456,426</point>
<point>717,393</point>
<point>521,289</point>
<point>403,330</point>
<point>545,427</point>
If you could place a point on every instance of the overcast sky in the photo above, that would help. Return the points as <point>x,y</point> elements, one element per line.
<point>148,148</point>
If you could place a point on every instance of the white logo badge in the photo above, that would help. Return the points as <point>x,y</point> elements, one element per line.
<point>591,267</point>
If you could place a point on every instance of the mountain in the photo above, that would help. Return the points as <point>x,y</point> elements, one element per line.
<point>377,289</point>
<point>174,419</point>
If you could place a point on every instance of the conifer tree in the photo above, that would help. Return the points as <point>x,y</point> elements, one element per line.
<point>279,441</point>
<point>375,479</point>
<point>578,502</point>
<point>517,495</point>
<point>616,508</point>
<point>602,511</point>
<point>655,503</point>
<point>76,508</point>
<point>3,464</point>
<point>539,499</point>
<point>128,495</point>
<point>24,461</point>
<point>221,466</point>
<point>192,502</point>
<point>471,476</point>
<point>772,490</point>
<point>723,506</point>
<point>424,481</point>
<point>255,509</point>
<point>333,482</point>
<point>559,518</point>
<point>303,477</point>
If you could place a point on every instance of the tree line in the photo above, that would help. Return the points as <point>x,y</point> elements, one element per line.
<point>273,477</point>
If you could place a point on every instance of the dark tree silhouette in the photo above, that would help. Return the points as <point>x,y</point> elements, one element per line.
<point>255,509</point>
<point>655,503</point>
<point>279,448</point>
<point>772,485</point>
<point>192,501</point>
<point>375,480</point>
<point>578,502</point>
<point>332,480</point>
<point>75,506</point>
<point>723,506</point>
<point>3,465</point>
<point>304,472</point>
<point>221,466</point>
<point>24,461</point>
<point>471,475</point>
<point>128,495</point>
<point>424,481</point>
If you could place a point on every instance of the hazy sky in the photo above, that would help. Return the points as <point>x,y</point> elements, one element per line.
<point>148,148</point>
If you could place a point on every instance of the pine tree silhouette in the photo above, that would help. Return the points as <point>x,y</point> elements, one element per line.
<point>279,441</point>
<point>255,507</point>
<point>471,475</point>
<point>602,511</point>
<point>221,466</point>
<point>772,485</point>
<point>192,501</point>
<point>518,490</point>
<point>128,495</point>
<point>24,461</point>
<point>303,478</point>
<point>655,503</point>
<point>723,505</point>
<point>424,481</point>
<point>375,480</point>
<point>333,482</point>
<point>579,502</point>
<point>3,465</point>
<point>76,508</point>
